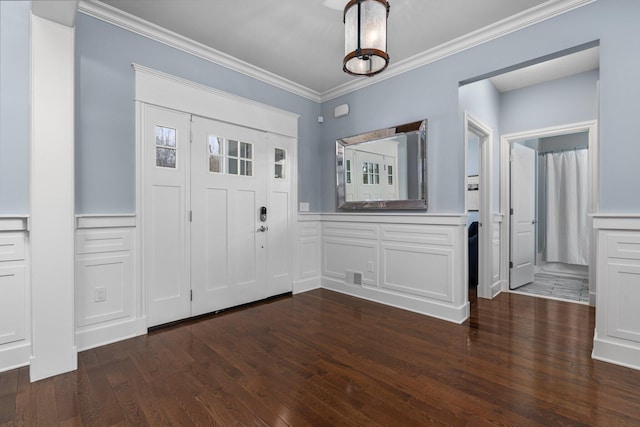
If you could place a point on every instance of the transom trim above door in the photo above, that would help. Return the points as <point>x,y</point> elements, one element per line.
<point>168,91</point>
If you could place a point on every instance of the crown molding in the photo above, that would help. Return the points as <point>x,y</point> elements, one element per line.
<point>147,29</point>
<point>493,31</point>
<point>547,10</point>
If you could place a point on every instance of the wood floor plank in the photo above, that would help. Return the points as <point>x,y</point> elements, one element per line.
<point>326,359</point>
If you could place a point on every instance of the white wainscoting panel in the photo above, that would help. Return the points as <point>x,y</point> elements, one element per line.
<point>617,335</point>
<point>414,262</point>
<point>106,290</point>
<point>15,295</point>
<point>398,271</point>
<point>308,253</point>
<point>13,304</point>
<point>496,280</point>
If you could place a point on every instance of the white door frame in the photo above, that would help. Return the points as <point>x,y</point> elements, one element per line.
<point>168,91</point>
<point>591,127</point>
<point>485,229</point>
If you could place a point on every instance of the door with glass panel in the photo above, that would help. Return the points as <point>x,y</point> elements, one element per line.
<point>165,215</point>
<point>240,202</point>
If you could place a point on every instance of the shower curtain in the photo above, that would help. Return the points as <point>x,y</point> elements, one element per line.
<point>567,233</point>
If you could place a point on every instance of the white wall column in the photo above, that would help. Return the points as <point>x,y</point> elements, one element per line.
<point>52,198</point>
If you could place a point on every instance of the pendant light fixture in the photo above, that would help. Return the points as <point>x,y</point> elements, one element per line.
<point>365,37</point>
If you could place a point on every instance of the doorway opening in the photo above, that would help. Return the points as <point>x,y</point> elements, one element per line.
<point>549,192</point>
<point>480,246</point>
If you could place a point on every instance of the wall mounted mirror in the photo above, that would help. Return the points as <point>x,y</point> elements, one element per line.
<point>384,169</point>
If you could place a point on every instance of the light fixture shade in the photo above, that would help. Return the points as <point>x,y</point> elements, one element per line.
<point>365,37</point>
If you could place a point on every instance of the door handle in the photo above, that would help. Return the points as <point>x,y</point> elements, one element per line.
<point>262,229</point>
<point>533,221</point>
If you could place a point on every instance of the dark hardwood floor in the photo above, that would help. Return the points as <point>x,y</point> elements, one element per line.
<point>322,358</point>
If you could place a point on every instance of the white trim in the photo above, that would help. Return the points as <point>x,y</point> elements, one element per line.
<point>542,12</point>
<point>306,285</point>
<point>152,31</point>
<point>509,25</point>
<point>168,91</point>
<point>105,220</point>
<point>429,308</point>
<point>51,180</point>
<point>428,219</point>
<point>100,335</point>
<point>590,126</point>
<point>616,352</point>
<point>616,221</point>
<point>485,230</point>
<point>14,222</point>
<point>15,356</point>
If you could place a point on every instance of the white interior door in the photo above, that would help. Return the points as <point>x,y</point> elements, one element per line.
<point>228,188</point>
<point>166,200</point>
<point>523,215</point>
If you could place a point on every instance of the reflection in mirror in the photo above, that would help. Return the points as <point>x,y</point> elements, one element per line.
<point>385,169</point>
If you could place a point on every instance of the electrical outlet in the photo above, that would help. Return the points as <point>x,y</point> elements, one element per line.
<point>304,206</point>
<point>100,294</point>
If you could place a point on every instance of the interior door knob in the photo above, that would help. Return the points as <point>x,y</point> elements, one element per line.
<point>262,228</point>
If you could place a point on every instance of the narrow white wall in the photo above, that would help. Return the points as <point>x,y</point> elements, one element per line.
<point>52,198</point>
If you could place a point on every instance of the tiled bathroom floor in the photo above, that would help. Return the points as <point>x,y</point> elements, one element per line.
<point>557,287</point>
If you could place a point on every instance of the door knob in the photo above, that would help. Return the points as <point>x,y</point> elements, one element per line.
<point>262,229</point>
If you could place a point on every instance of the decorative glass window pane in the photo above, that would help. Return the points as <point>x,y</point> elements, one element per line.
<point>365,178</point>
<point>215,164</point>
<point>376,179</point>
<point>233,148</point>
<point>348,171</point>
<point>245,167</point>
<point>165,147</point>
<point>280,161</point>
<point>390,172</point>
<point>233,167</point>
<point>215,145</point>
<point>165,137</point>
<point>165,157</point>
<point>245,150</point>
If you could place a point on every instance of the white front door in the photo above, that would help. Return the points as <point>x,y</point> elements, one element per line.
<point>165,221</point>
<point>228,189</point>
<point>523,161</point>
<point>241,204</point>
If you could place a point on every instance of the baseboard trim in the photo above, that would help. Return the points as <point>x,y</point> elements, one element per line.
<point>616,353</point>
<point>97,336</point>
<point>421,306</point>
<point>15,356</point>
<point>306,285</point>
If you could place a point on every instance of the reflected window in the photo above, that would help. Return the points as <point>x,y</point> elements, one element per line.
<point>390,174</point>
<point>348,171</point>
<point>165,147</point>
<point>280,163</point>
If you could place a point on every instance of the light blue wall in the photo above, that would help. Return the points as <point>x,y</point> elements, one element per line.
<point>14,107</point>
<point>559,102</point>
<point>431,91</point>
<point>105,116</point>
<point>482,100</point>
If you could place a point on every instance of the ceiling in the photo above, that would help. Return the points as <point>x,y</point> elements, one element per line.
<point>303,40</point>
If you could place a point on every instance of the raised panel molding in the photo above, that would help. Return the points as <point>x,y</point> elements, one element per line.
<point>13,304</point>
<point>107,292</point>
<point>11,246</point>
<point>408,261</point>
<point>308,255</point>
<point>422,271</point>
<point>93,242</point>
<point>104,288</point>
<point>617,334</point>
<point>15,294</point>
